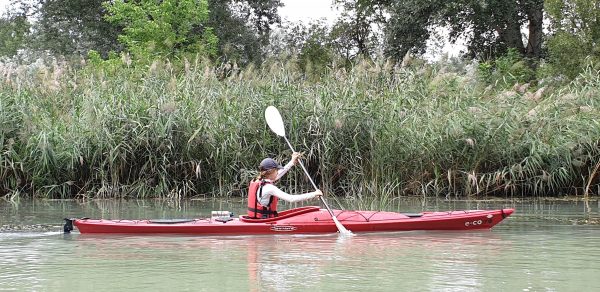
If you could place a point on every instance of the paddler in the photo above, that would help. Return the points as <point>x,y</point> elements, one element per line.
<point>263,194</point>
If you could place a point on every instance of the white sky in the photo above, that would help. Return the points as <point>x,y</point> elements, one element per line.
<point>307,10</point>
<point>3,5</point>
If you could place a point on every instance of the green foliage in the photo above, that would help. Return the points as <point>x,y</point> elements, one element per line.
<point>508,69</point>
<point>163,29</point>
<point>243,28</point>
<point>314,58</point>
<point>312,44</point>
<point>575,35</point>
<point>174,128</point>
<point>491,26</point>
<point>14,30</point>
<point>513,68</point>
<point>355,27</point>
<point>408,27</point>
<point>67,27</point>
<point>569,54</point>
<point>110,65</point>
<point>485,70</point>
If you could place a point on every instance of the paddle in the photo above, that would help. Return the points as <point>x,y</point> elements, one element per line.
<point>275,122</point>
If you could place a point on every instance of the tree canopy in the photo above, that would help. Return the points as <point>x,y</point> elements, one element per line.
<point>241,31</point>
<point>14,27</point>
<point>164,28</point>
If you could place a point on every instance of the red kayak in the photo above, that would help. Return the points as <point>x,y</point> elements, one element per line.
<point>300,220</point>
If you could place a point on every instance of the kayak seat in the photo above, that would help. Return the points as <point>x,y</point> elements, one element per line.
<point>413,215</point>
<point>170,221</point>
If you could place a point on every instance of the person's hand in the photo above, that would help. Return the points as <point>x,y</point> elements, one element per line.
<point>296,156</point>
<point>318,193</point>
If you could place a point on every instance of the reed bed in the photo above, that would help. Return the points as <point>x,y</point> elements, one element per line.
<point>370,133</point>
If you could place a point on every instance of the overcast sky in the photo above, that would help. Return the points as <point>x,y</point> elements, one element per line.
<point>3,4</point>
<point>307,10</point>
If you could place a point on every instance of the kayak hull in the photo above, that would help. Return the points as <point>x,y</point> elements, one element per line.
<point>303,220</point>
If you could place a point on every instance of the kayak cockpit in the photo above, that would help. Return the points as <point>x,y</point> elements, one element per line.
<point>284,214</point>
<point>170,221</point>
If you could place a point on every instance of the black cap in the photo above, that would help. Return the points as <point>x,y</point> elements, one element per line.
<point>269,163</point>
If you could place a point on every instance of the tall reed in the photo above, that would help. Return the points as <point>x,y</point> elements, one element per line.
<point>371,132</point>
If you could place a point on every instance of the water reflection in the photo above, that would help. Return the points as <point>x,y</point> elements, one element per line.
<point>293,262</point>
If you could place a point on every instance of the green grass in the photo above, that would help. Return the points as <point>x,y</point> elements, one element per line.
<point>369,133</point>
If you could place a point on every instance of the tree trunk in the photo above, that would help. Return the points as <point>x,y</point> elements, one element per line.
<point>360,36</point>
<point>535,15</point>
<point>511,36</point>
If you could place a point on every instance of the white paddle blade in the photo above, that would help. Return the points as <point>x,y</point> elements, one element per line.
<point>343,231</point>
<point>274,121</point>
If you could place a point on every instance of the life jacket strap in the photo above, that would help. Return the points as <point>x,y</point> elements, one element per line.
<point>263,211</point>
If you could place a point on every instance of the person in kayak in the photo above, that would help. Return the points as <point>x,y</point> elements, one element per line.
<point>263,194</point>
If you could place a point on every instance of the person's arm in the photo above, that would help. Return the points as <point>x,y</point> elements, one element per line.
<point>284,170</point>
<point>293,161</point>
<point>272,190</point>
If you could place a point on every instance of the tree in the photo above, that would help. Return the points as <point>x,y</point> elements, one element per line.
<point>68,27</point>
<point>491,26</point>
<point>574,34</point>
<point>14,29</point>
<point>161,29</point>
<point>408,27</point>
<point>314,50</point>
<point>243,28</point>
<point>310,43</point>
<point>496,26</point>
<point>355,27</point>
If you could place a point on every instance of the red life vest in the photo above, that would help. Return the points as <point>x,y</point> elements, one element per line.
<point>255,209</point>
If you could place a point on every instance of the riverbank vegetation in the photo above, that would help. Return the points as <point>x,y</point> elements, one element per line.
<point>186,119</point>
<point>371,130</point>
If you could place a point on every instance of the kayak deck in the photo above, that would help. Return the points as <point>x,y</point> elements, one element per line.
<point>303,220</point>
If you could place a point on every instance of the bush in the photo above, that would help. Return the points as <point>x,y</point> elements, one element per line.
<point>569,55</point>
<point>506,70</point>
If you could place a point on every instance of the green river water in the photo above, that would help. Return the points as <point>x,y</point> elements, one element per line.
<point>544,246</point>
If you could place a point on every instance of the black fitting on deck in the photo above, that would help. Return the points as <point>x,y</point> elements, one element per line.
<point>68,225</point>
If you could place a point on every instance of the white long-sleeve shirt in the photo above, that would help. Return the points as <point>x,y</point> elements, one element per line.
<point>269,190</point>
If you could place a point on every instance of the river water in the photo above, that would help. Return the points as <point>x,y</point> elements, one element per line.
<point>544,246</point>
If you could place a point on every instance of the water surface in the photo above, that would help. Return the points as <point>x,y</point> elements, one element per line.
<point>544,246</point>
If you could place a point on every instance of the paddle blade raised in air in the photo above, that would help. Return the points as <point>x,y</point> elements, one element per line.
<point>274,121</point>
